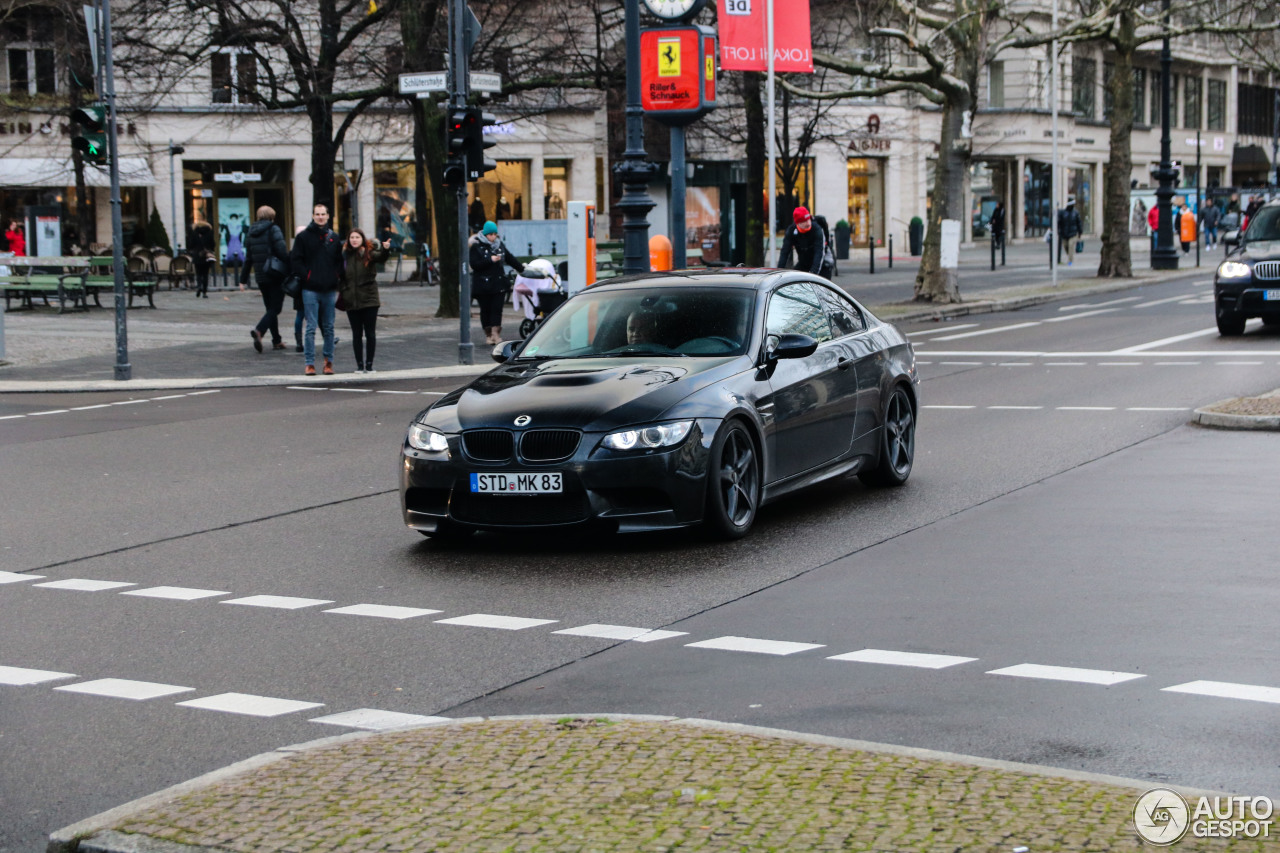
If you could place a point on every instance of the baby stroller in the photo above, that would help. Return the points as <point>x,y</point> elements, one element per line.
<point>538,292</point>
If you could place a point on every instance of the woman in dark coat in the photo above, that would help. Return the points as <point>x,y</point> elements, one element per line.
<point>488,280</point>
<point>359,291</point>
<point>264,242</point>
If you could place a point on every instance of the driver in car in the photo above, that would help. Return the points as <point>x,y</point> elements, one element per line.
<point>641,326</point>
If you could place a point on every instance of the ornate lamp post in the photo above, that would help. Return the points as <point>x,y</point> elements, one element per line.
<point>634,169</point>
<point>1165,256</point>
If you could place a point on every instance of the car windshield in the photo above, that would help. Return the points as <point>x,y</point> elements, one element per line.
<point>1265,225</point>
<point>669,322</point>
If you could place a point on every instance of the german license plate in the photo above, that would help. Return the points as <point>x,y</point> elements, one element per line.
<point>1271,295</point>
<point>517,484</point>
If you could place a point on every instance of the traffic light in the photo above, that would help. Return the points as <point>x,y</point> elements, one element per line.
<point>91,140</point>
<point>454,173</point>
<point>477,163</point>
<point>458,132</point>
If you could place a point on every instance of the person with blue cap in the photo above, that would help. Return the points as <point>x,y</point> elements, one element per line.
<point>488,280</point>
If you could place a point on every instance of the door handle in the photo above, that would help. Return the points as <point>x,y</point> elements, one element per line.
<point>844,363</point>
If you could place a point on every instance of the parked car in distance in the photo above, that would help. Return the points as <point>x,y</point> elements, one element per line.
<point>1247,283</point>
<point>665,400</point>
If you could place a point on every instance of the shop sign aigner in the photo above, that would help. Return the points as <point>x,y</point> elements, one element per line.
<point>871,141</point>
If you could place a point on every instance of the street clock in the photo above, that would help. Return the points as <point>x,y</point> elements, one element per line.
<point>674,11</point>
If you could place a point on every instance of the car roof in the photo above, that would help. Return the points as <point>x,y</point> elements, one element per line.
<point>740,277</point>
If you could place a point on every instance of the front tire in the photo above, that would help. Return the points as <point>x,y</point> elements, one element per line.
<point>733,483</point>
<point>897,443</point>
<point>1230,324</point>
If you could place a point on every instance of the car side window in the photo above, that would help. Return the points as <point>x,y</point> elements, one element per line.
<point>846,319</point>
<point>795,309</point>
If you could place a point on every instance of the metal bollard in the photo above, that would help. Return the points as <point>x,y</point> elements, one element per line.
<point>871,250</point>
<point>993,251</point>
<point>530,250</point>
<point>890,251</point>
<point>553,248</point>
<point>1003,241</point>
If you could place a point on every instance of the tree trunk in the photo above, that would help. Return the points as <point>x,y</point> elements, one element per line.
<point>933,283</point>
<point>323,154</point>
<point>1116,261</point>
<point>756,165</point>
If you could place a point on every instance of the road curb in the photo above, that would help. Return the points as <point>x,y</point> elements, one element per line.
<point>1224,420</point>
<point>94,835</point>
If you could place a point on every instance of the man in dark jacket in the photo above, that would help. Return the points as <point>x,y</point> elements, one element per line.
<point>203,246</point>
<point>488,280</point>
<point>1069,228</point>
<point>809,239</point>
<point>317,261</point>
<point>265,245</point>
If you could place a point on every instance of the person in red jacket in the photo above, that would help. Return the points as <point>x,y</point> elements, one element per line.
<point>17,242</point>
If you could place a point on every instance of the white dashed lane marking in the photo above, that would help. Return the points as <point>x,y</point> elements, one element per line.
<point>14,577</point>
<point>1008,408</point>
<point>84,585</point>
<point>489,620</point>
<point>371,719</point>
<point>177,593</point>
<point>250,705</point>
<point>17,676</point>
<point>1066,673</point>
<point>106,405</point>
<point>891,658</point>
<point>384,611</point>
<point>282,602</point>
<point>748,644</point>
<point>120,688</point>
<point>620,632</point>
<point>1227,690</point>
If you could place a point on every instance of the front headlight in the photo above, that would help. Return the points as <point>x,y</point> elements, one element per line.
<point>425,438</point>
<point>648,438</point>
<point>1234,269</point>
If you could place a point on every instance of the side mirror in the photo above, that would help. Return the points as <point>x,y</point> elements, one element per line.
<point>506,351</point>
<point>1231,238</point>
<point>790,346</point>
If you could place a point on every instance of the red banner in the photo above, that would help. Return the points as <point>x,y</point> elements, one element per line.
<point>743,36</point>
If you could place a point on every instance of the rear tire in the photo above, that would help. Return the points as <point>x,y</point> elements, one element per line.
<point>733,483</point>
<point>1230,324</point>
<point>897,443</point>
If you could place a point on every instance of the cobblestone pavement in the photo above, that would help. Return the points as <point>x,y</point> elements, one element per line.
<point>636,784</point>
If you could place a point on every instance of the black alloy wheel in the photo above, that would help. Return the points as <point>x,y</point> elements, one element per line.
<point>733,483</point>
<point>1230,324</point>
<point>898,443</point>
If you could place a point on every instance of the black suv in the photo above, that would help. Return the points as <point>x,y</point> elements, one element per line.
<point>1247,283</point>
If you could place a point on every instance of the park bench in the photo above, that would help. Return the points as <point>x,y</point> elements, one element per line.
<point>66,288</point>
<point>101,278</point>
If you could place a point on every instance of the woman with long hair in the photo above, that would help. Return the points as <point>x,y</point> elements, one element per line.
<point>360,294</point>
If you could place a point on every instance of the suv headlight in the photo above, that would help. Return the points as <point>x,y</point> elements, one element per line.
<point>648,438</point>
<point>425,438</point>
<point>1234,269</point>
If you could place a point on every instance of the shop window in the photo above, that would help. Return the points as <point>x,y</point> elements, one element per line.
<point>555,188</point>
<point>982,189</point>
<point>702,223</point>
<point>234,74</point>
<point>396,201</point>
<point>1037,210</point>
<point>1217,104</point>
<point>500,194</point>
<point>1191,91</point>
<point>1084,82</point>
<point>1080,185</point>
<point>866,201</point>
<point>800,171</point>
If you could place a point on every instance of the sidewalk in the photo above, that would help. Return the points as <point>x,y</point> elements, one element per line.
<point>187,342</point>
<point>620,783</point>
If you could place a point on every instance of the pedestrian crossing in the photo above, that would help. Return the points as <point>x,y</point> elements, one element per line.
<point>252,705</point>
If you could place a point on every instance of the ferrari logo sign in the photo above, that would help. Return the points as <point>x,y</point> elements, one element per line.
<point>669,57</point>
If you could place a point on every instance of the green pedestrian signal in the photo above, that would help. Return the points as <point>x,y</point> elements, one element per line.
<point>91,139</point>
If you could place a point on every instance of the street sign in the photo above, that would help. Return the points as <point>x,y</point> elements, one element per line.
<point>486,81</point>
<point>430,81</point>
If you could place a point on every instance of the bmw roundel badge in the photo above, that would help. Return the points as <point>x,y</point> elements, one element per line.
<point>523,420</point>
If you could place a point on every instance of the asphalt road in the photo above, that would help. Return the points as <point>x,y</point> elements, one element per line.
<point>1061,514</point>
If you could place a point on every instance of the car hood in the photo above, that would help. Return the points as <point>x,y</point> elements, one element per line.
<point>1262,250</point>
<point>588,394</point>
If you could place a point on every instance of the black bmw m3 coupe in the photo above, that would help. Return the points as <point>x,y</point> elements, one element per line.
<point>666,400</point>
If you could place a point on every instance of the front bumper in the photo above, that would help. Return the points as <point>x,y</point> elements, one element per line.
<point>1247,298</point>
<point>645,490</point>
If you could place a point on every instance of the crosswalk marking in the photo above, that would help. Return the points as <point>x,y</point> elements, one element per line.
<point>17,676</point>
<point>748,644</point>
<point>283,602</point>
<point>384,611</point>
<point>178,593</point>
<point>892,658</point>
<point>121,688</point>
<point>1227,690</point>
<point>249,704</point>
<point>1066,673</point>
<point>15,577</point>
<point>372,719</point>
<point>621,632</point>
<point>85,585</point>
<point>489,620</point>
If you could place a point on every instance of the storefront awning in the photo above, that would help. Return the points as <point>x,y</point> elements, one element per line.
<point>1250,157</point>
<point>1069,164</point>
<point>57,172</point>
